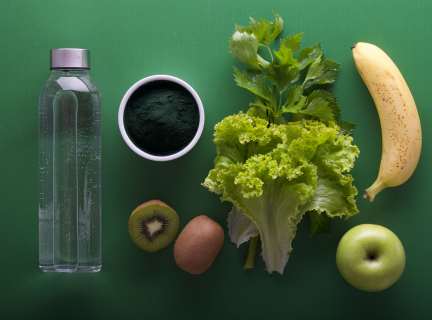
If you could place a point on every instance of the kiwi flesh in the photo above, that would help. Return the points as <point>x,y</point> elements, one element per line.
<point>153,225</point>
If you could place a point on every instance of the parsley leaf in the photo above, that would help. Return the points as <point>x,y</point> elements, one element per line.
<point>327,93</point>
<point>317,104</point>
<point>264,32</point>
<point>327,96</point>
<point>321,72</point>
<point>293,96</point>
<point>252,80</point>
<point>268,78</point>
<point>318,107</point>
<point>309,55</point>
<point>315,71</point>
<point>286,75</point>
<point>261,30</point>
<point>285,56</point>
<point>277,27</point>
<point>242,29</point>
<point>244,47</point>
<point>346,128</point>
<point>292,42</point>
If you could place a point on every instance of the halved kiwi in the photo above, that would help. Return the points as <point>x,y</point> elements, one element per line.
<point>153,225</point>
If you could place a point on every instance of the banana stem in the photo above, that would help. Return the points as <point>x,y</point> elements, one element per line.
<point>374,190</point>
<point>250,259</point>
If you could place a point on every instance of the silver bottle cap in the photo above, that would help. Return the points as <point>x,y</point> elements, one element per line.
<point>70,59</point>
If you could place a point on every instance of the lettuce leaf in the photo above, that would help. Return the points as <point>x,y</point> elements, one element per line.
<point>320,223</point>
<point>275,174</point>
<point>240,227</point>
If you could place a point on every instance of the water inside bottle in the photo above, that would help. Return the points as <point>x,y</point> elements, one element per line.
<point>69,175</point>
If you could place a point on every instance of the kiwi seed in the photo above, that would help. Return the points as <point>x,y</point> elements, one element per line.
<point>153,225</point>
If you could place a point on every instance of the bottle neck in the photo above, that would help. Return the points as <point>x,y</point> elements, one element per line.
<point>68,72</point>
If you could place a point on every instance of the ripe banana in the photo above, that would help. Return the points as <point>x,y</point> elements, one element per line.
<point>400,123</point>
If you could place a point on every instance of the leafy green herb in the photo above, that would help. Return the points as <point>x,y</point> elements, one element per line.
<point>274,171</point>
<point>270,80</point>
<point>346,128</point>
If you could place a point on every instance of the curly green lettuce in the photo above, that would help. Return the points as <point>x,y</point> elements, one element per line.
<point>274,174</point>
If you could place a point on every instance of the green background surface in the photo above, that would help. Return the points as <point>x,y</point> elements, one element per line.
<point>132,39</point>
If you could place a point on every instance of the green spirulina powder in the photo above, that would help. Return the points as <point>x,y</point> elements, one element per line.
<point>161,117</point>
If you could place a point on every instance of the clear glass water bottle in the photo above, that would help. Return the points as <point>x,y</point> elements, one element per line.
<point>70,166</point>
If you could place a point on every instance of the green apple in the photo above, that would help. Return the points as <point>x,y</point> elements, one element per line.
<point>370,257</point>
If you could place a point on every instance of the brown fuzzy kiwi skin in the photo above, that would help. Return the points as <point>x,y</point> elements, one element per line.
<point>148,203</point>
<point>198,244</point>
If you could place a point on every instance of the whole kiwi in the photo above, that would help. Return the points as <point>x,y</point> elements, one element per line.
<point>198,244</point>
<point>153,225</point>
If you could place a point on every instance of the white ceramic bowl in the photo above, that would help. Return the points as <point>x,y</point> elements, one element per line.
<point>128,140</point>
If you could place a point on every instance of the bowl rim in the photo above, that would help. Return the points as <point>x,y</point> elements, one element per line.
<point>132,89</point>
